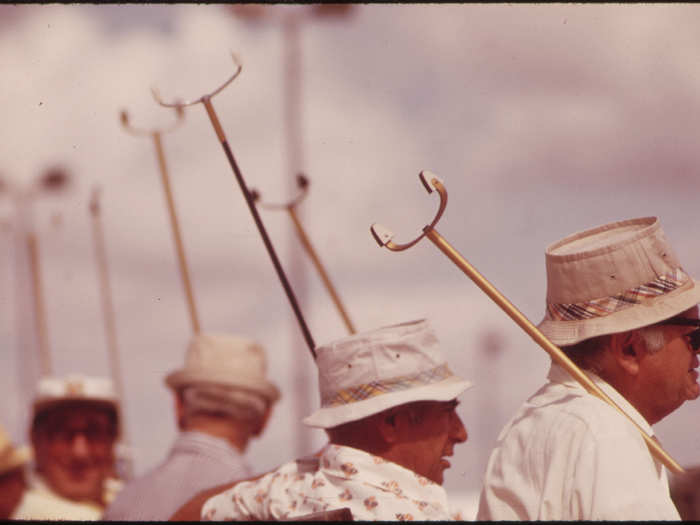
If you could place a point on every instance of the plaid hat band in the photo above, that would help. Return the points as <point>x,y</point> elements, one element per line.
<point>608,305</point>
<point>385,386</point>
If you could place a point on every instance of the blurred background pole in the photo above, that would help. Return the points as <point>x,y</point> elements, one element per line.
<point>38,302</point>
<point>291,19</point>
<point>125,457</point>
<point>33,350</point>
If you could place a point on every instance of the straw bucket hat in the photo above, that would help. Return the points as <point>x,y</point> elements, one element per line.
<point>225,360</point>
<point>366,373</point>
<point>613,278</point>
<point>53,391</point>
<point>11,457</point>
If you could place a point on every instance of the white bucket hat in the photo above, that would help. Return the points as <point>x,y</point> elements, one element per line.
<point>11,457</point>
<point>613,278</point>
<point>225,360</point>
<point>366,373</point>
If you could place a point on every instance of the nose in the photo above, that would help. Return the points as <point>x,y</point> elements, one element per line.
<point>459,432</point>
<point>80,446</point>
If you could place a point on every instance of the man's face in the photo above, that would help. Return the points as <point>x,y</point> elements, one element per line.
<point>669,374</point>
<point>432,431</point>
<point>74,450</point>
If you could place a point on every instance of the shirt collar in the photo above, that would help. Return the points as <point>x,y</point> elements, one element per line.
<point>557,374</point>
<point>189,439</point>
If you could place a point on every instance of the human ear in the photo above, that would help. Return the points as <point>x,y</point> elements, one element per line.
<point>628,349</point>
<point>263,421</point>
<point>179,409</point>
<point>387,425</point>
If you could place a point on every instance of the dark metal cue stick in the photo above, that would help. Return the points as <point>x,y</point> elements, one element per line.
<point>206,100</point>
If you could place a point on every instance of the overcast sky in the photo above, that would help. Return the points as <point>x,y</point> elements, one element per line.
<point>542,120</point>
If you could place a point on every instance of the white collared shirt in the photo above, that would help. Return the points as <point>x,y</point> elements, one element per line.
<point>39,502</point>
<point>371,487</point>
<point>567,455</point>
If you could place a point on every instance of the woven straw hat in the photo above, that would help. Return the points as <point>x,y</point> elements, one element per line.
<point>11,457</point>
<point>226,360</point>
<point>613,278</point>
<point>367,373</point>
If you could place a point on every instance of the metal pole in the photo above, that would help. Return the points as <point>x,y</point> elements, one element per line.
<point>108,318</point>
<point>321,270</point>
<point>258,222</point>
<point>39,310</point>
<point>384,238</point>
<point>206,100</point>
<point>177,235</point>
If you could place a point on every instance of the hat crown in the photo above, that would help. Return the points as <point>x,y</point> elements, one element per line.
<point>223,353</point>
<point>608,260</point>
<point>616,277</point>
<point>377,356</point>
<point>75,386</point>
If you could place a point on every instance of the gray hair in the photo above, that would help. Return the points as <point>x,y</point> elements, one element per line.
<point>586,353</point>
<point>235,403</point>
<point>654,338</point>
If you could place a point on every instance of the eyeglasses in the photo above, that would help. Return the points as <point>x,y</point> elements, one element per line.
<point>694,336</point>
<point>92,432</point>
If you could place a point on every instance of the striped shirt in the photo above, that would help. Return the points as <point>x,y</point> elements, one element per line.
<point>197,461</point>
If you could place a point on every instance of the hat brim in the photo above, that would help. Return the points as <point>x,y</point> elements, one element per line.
<point>182,378</point>
<point>444,390</point>
<point>563,333</point>
<point>45,404</point>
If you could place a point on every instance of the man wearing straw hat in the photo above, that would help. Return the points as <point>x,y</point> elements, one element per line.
<point>621,307</point>
<point>388,405</point>
<point>223,399</point>
<point>12,479</point>
<point>74,428</point>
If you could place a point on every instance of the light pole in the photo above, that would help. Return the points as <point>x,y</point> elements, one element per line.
<point>291,18</point>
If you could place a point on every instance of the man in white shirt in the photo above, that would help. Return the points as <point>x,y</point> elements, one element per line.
<point>622,308</point>
<point>74,429</point>
<point>223,400</point>
<point>388,405</point>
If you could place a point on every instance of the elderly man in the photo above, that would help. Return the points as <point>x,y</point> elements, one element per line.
<point>388,405</point>
<point>12,479</point>
<point>74,428</point>
<point>223,399</point>
<point>622,308</point>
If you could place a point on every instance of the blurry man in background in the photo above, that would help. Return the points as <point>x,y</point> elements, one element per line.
<point>621,307</point>
<point>223,399</point>
<point>75,425</point>
<point>388,405</point>
<point>12,479</point>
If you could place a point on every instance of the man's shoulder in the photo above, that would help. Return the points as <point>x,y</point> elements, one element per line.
<point>556,410</point>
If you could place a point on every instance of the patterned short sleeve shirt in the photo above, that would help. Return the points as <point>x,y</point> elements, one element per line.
<point>371,487</point>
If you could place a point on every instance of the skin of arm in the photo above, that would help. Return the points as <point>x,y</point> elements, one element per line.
<point>191,511</point>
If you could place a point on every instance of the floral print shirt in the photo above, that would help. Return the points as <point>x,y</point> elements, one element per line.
<point>371,487</point>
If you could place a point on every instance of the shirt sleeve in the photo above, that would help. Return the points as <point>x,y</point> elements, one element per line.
<point>244,501</point>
